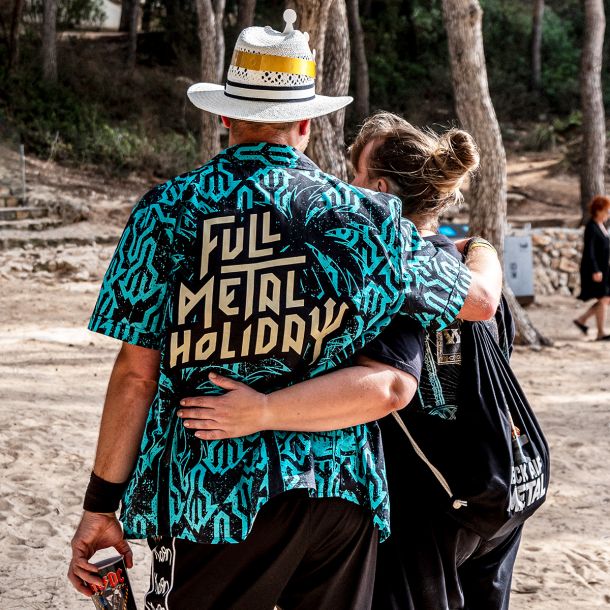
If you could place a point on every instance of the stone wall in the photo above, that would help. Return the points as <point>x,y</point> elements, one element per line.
<point>557,254</point>
<point>7,198</point>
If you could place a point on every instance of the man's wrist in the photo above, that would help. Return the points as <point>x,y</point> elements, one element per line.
<point>98,514</point>
<point>103,496</point>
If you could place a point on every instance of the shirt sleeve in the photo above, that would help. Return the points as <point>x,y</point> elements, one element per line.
<point>131,305</point>
<point>435,282</point>
<point>401,345</point>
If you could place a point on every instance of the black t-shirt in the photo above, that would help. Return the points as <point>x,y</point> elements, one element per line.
<point>402,343</point>
<point>435,359</point>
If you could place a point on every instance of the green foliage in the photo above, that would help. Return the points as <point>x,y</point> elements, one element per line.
<point>406,47</point>
<point>561,60</point>
<point>54,121</point>
<point>409,69</point>
<point>546,136</point>
<point>507,37</point>
<point>568,124</point>
<point>541,137</point>
<point>70,13</point>
<point>98,114</point>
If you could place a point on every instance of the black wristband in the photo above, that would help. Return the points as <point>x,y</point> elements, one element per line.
<point>103,496</point>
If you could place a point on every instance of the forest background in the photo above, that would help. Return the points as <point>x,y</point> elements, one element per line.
<point>103,113</point>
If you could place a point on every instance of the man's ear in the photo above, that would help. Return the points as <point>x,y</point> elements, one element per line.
<point>304,127</point>
<point>226,121</point>
<point>382,185</point>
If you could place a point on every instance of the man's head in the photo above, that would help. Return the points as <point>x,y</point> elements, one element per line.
<point>294,133</point>
<point>271,81</point>
<point>423,168</point>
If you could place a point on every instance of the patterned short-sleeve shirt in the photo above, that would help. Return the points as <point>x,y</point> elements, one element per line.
<point>263,268</point>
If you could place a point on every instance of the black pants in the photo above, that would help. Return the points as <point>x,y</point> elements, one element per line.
<point>432,563</point>
<point>302,554</point>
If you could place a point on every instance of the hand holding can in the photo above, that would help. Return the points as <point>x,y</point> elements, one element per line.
<point>116,593</point>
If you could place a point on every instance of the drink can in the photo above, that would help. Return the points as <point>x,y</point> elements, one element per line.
<point>116,593</point>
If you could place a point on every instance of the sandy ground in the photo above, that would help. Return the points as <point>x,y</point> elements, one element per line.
<point>53,374</point>
<point>52,380</point>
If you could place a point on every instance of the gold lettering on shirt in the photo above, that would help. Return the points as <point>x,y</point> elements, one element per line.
<point>331,323</point>
<point>209,243</point>
<point>178,350</point>
<point>294,337</point>
<point>227,296</point>
<point>247,301</point>
<point>266,336</point>
<point>188,300</point>
<point>270,283</point>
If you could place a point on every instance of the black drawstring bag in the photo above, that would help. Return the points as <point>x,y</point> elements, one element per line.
<point>493,460</point>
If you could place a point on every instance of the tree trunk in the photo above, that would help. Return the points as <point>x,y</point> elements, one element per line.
<point>147,10</point>
<point>593,119</point>
<point>132,38</point>
<point>463,21</point>
<point>476,112</point>
<point>327,143</point>
<point>212,64</point>
<point>536,76</point>
<point>361,66</point>
<point>127,8</point>
<point>245,14</point>
<point>13,52</point>
<point>219,15</point>
<point>49,41</point>
<point>410,39</point>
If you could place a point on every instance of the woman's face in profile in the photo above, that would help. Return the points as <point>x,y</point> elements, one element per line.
<point>361,178</point>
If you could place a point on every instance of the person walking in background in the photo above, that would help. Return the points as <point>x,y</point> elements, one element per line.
<point>595,268</point>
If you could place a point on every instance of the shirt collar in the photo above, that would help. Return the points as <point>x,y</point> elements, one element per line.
<point>267,155</point>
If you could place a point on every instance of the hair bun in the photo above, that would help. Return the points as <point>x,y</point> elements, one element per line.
<point>456,155</point>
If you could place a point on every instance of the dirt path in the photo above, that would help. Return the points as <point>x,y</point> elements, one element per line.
<point>53,375</point>
<point>564,560</point>
<point>52,380</point>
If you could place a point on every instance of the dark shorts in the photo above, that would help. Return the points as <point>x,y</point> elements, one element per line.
<point>302,554</point>
<point>430,562</point>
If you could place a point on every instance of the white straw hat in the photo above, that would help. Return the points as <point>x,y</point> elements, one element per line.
<point>271,79</point>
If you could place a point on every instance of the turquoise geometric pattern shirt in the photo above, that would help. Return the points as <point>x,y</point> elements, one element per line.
<point>261,267</point>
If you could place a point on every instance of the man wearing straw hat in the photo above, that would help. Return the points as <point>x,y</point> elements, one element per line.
<point>260,267</point>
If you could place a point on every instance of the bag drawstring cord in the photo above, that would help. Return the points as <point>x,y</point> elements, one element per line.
<point>439,477</point>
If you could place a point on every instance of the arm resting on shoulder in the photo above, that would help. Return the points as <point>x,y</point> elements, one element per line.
<point>354,395</point>
<point>486,285</point>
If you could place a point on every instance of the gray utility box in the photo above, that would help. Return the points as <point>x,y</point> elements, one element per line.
<point>519,266</point>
